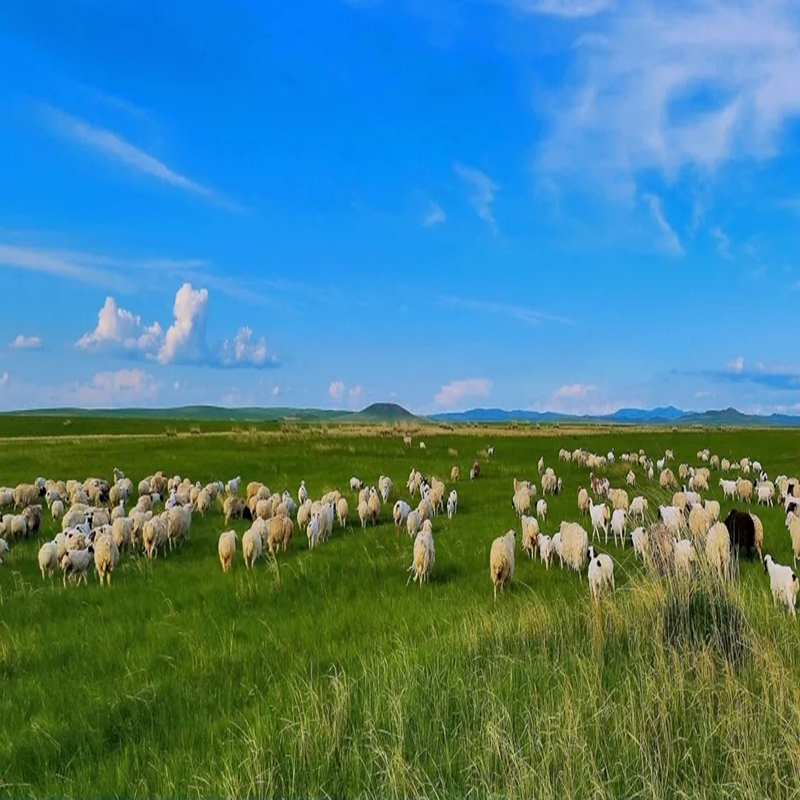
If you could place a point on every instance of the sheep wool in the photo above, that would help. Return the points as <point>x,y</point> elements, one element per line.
<point>501,561</point>
<point>718,549</point>
<point>530,532</point>
<point>575,545</point>
<point>423,558</point>
<point>342,510</point>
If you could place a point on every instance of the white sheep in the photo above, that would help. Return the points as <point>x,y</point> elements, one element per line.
<point>356,484</point>
<point>424,557</point>
<point>718,549</point>
<point>312,532</point>
<point>765,492</point>
<point>599,516</point>
<point>232,487</point>
<point>3,550</point>
<point>793,524</point>
<point>75,564</point>
<point>601,573</point>
<point>575,544</point>
<point>545,544</point>
<point>638,507</point>
<point>630,478</point>
<point>541,509</point>
<point>452,504</point>
<point>521,502</point>
<point>252,547</point>
<point>530,532</point>
<point>673,518</point>
<point>783,583</point>
<point>501,561</point>
<point>106,557</point>
<point>619,523</point>
<point>302,493</point>
<point>413,522</point>
<point>558,548</point>
<point>342,509</point>
<point>227,549</point>
<point>363,513</point>
<point>712,508</point>
<point>728,488</point>
<point>641,543</point>
<point>400,513</point>
<point>179,521</point>
<point>683,555</point>
<point>48,559</point>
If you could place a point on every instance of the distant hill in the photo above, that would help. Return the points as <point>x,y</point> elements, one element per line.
<point>382,412</point>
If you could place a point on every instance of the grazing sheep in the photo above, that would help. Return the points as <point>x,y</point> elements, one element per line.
<point>541,509</point>
<point>235,508</point>
<point>179,521</point>
<point>630,478</point>
<point>122,532</point>
<point>374,506</point>
<point>48,559</point>
<point>106,558</point>
<point>232,486</point>
<point>683,556</point>
<point>324,515</point>
<point>618,499</point>
<point>667,478</point>
<point>601,573</point>
<point>425,510</point>
<point>729,488</point>
<point>75,564</point>
<point>25,494</point>
<point>424,557</point>
<point>57,509</point>
<point>251,547</point>
<point>400,513</point>
<point>545,544</point>
<point>744,489</point>
<point>600,516</point>
<point>638,507</point>
<point>154,535</point>
<point>342,509</point>
<point>530,532</point>
<point>619,523</point>
<point>312,532</point>
<point>583,500</point>
<point>454,474</point>
<point>783,583</point>
<point>227,549</point>
<point>363,513</point>
<point>712,507</point>
<point>718,549</point>
<point>758,530</point>
<point>302,493</point>
<point>33,519</point>
<point>521,502</point>
<point>452,504</point>
<point>19,526</point>
<point>742,531</point>
<point>793,524</point>
<point>501,561</point>
<point>558,548</point>
<point>575,544</point>
<point>413,522</point>
<point>699,522</point>
<point>673,518</point>
<point>764,493</point>
<point>640,541</point>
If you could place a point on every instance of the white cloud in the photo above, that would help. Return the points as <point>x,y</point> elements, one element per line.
<point>111,145</point>
<point>276,390</point>
<point>573,390</point>
<point>54,263</point>
<point>176,385</point>
<point>561,8</point>
<point>737,365</point>
<point>703,393</point>
<point>4,378</point>
<point>434,216</point>
<point>355,394</point>
<point>455,392</point>
<point>21,342</point>
<point>667,86</point>
<point>185,340</point>
<point>529,316</point>
<point>668,240</point>
<point>483,191</point>
<point>722,241</point>
<point>121,330</point>
<point>336,390</point>
<point>243,349</point>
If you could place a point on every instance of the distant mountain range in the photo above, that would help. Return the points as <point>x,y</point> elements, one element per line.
<point>391,412</point>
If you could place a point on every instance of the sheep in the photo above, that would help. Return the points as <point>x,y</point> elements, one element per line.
<point>783,583</point>
<point>530,532</point>
<point>122,532</point>
<point>758,530</point>
<point>356,484</point>
<point>342,509</point>
<point>601,573</point>
<point>545,544</point>
<point>600,516</point>
<point>424,557</point>
<point>640,541</point>
<point>48,559</point>
<point>742,530</point>
<point>660,464</point>
<point>541,509</point>
<point>363,513</point>
<point>374,506</point>
<point>232,486</point>
<point>452,504</point>
<point>6,496</point>
<point>413,522</point>
<point>106,558</point>
<point>25,494</point>
<point>521,502</point>
<point>558,548</point>
<point>638,507</point>
<point>19,526</point>
<point>575,544</point>
<point>699,521</point>
<point>422,446</point>
<point>667,478</point>
<point>712,507</point>
<point>252,547</point>
<point>540,465</point>
<point>312,532</point>
<point>630,478</point>
<point>718,549</point>
<point>75,564</point>
<point>385,487</point>
<point>179,521</point>
<point>400,513</point>
<point>3,550</point>
<point>235,508</point>
<point>713,462</point>
<point>619,522</point>
<point>744,489</point>
<point>793,525</point>
<point>454,474</point>
<point>683,556</point>
<point>683,471</point>
<point>764,494</point>
<point>154,535</point>
<point>144,503</point>
<point>729,488</point>
<point>406,439</point>
<point>583,500</point>
<point>425,510</point>
<point>33,518</point>
<point>618,499</point>
<point>302,493</point>
<point>673,518</point>
<point>550,484</point>
<point>501,560</point>
<point>724,465</point>
<point>227,549</point>
<point>324,515</point>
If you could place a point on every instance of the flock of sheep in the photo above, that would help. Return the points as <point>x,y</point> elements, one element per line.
<point>96,527</point>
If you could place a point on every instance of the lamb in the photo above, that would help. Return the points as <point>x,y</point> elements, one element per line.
<point>530,532</point>
<point>413,522</point>
<point>641,543</point>
<point>575,544</point>
<point>106,558</point>
<point>683,556</point>
<point>302,494</point>
<point>630,478</point>
<point>545,544</point>
<point>452,504</point>
<point>601,573</point>
<point>227,549</point>
<point>342,509</point>
<point>252,547</point>
<point>600,516</point>
<point>312,532</point>
<point>638,507</point>
<point>728,488</point>
<point>48,559</point>
<point>583,500</point>
<point>619,522</point>
<point>541,509</point>
<point>75,564</point>
<point>759,534</point>
<point>501,561</point>
<point>424,557</point>
<point>232,486</point>
<point>718,549</point>
<point>783,583</point>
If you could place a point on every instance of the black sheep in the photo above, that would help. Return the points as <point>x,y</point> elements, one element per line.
<point>742,531</point>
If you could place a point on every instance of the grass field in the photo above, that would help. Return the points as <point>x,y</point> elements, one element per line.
<point>324,674</point>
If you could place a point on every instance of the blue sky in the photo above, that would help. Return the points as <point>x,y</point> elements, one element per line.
<point>572,205</point>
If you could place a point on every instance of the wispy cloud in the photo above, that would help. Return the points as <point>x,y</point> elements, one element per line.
<point>667,240</point>
<point>482,192</point>
<point>113,146</point>
<point>722,241</point>
<point>434,216</point>
<point>454,393</point>
<point>667,86</point>
<point>573,390</point>
<point>22,342</point>
<point>54,263</point>
<point>529,316</point>
<point>777,377</point>
<point>570,9</point>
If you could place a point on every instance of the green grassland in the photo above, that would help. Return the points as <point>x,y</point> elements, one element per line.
<point>322,673</point>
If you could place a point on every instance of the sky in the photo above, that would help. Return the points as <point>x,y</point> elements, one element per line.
<point>568,205</point>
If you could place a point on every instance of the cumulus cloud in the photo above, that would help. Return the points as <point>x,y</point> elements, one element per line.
<point>123,333</point>
<point>336,390</point>
<point>573,390</point>
<point>482,192</point>
<point>22,342</point>
<point>737,365</point>
<point>455,392</point>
